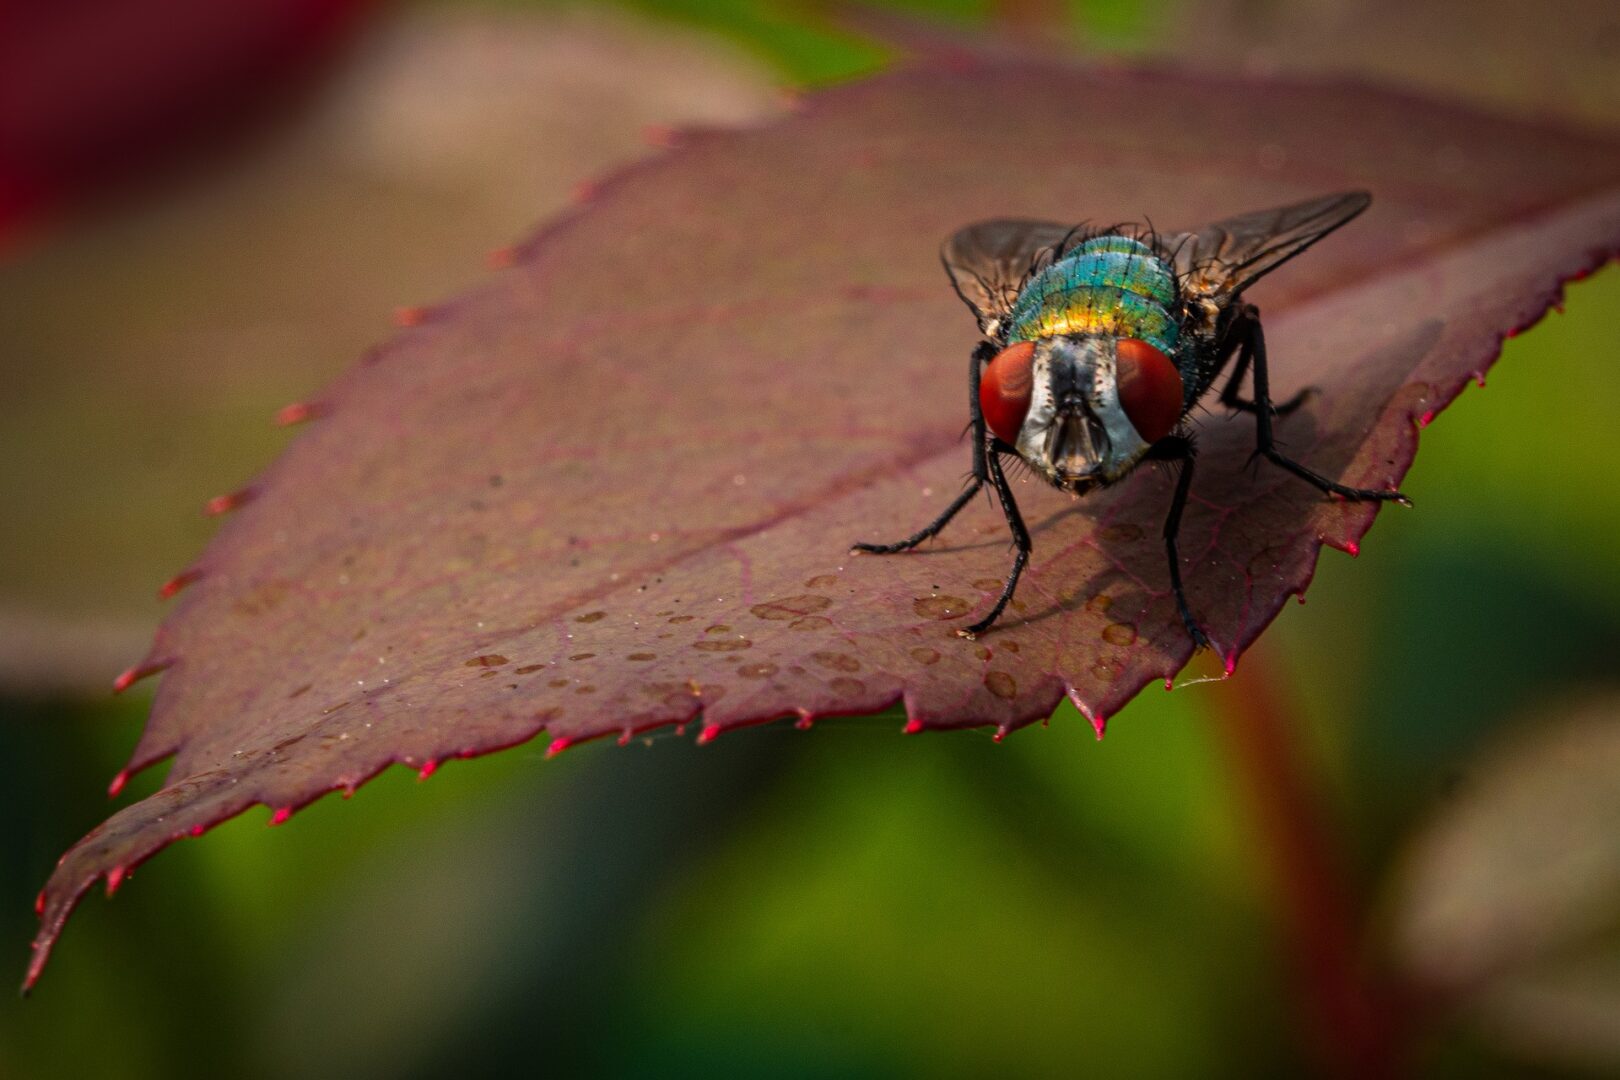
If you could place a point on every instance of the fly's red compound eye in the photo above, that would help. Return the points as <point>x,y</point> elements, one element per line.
<point>1004,390</point>
<point>1149,388</point>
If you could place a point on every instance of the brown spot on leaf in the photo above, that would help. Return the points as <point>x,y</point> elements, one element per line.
<point>682,618</point>
<point>487,660</point>
<point>757,671</point>
<point>836,661</point>
<point>582,656</point>
<point>847,686</point>
<point>718,628</point>
<point>1100,603</point>
<point>591,616</point>
<point>1011,646</point>
<point>586,689</point>
<point>1266,562</point>
<point>527,669</point>
<point>1119,633</point>
<point>1123,533</point>
<point>982,652</point>
<point>1001,684</point>
<point>723,645</point>
<point>642,657</point>
<point>664,689</point>
<point>810,622</point>
<point>559,682</point>
<point>822,581</point>
<point>262,598</point>
<point>301,691</point>
<point>989,584</point>
<point>790,607</point>
<point>925,656</point>
<point>940,607</point>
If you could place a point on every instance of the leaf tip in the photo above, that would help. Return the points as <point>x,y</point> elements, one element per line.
<point>298,412</point>
<point>709,733</point>
<point>224,504</point>
<point>913,726</point>
<point>1001,733</point>
<point>558,745</point>
<point>132,675</point>
<point>173,586</point>
<point>429,767</point>
<point>280,816</point>
<point>117,784</point>
<point>1099,724</point>
<point>115,878</point>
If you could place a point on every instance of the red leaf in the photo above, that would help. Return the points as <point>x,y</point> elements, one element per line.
<point>615,489</point>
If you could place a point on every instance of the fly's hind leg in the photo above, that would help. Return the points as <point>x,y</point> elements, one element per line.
<point>1229,395</point>
<point>983,352</point>
<point>1266,441</point>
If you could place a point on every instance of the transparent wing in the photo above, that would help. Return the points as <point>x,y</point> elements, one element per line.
<point>989,262</point>
<point>1223,258</point>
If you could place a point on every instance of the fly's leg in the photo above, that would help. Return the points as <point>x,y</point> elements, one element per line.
<point>1015,522</point>
<point>1266,442</point>
<point>1179,449</point>
<point>1229,396</point>
<point>982,352</point>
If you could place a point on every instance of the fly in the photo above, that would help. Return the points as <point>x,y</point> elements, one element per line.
<point>1097,345</point>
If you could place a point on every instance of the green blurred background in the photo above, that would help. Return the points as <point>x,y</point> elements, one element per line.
<point>848,902</point>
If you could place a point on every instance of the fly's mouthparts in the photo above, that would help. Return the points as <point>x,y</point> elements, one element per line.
<point>1075,444</point>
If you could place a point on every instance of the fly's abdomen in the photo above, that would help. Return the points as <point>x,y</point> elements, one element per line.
<point>1109,285</point>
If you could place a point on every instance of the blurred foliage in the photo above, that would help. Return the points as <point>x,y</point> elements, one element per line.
<point>848,902</point>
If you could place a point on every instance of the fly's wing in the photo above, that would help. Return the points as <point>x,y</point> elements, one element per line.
<point>989,262</point>
<point>1221,259</point>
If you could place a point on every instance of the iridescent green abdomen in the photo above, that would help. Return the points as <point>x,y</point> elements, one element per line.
<point>1109,285</point>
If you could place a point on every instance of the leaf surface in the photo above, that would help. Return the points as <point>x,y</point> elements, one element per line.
<point>148,347</point>
<point>615,488</point>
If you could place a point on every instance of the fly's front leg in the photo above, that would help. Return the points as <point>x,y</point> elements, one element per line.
<point>1266,441</point>
<point>1179,449</point>
<point>982,352</point>
<point>1248,320</point>
<point>1021,541</point>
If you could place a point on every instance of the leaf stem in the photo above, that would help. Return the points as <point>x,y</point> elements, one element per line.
<point>1355,1028</point>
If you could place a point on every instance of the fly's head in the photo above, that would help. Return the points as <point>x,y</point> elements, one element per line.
<point>1081,410</point>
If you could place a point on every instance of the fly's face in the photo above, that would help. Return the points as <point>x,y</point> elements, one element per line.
<point>1081,410</point>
